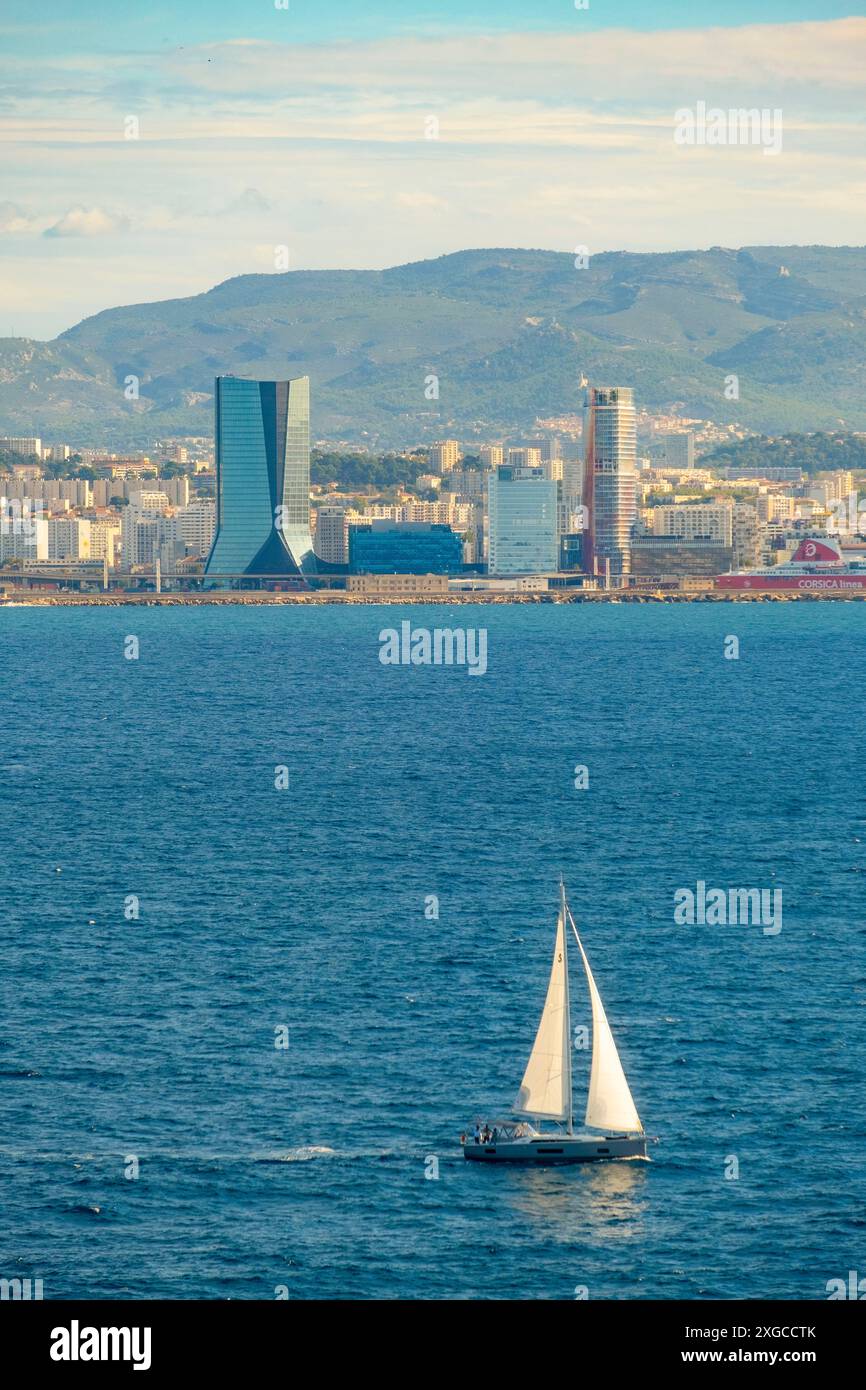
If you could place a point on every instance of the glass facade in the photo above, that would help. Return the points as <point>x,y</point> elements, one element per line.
<point>523,533</point>
<point>262,433</point>
<point>383,547</point>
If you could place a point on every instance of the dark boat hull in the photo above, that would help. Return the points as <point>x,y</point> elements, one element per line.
<point>552,1150</point>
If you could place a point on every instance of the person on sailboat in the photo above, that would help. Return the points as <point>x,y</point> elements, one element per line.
<point>476,1134</point>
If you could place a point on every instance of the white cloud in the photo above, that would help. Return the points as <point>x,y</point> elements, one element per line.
<point>87,222</point>
<point>13,218</point>
<point>544,140</point>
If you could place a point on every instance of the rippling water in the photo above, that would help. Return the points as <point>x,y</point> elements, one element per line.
<point>153,1039</point>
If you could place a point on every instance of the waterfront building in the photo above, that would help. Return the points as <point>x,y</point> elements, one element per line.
<point>686,521</point>
<point>263,478</point>
<point>610,478</point>
<point>68,538</point>
<point>748,536</point>
<point>398,585</point>
<point>664,557</point>
<point>407,547</point>
<point>523,532</point>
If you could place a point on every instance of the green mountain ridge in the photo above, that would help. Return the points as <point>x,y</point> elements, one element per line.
<point>508,334</point>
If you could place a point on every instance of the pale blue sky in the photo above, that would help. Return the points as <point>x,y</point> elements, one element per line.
<point>308,128</point>
<point>106,25</point>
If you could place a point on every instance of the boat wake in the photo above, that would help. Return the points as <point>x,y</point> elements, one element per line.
<point>299,1155</point>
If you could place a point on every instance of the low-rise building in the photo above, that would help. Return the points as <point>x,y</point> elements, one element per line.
<point>397,585</point>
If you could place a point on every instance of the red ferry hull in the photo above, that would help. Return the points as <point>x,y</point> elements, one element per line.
<point>802,583</point>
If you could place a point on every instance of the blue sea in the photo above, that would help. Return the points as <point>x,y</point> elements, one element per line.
<point>156,1143</point>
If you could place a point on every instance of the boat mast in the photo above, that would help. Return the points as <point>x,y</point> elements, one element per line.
<point>563,910</point>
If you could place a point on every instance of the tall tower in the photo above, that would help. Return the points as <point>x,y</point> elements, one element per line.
<point>609,478</point>
<point>263,478</point>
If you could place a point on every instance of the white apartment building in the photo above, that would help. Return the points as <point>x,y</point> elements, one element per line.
<point>68,539</point>
<point>194,526</point>
<point>140,528</point>
<point>446,512</point>
<point>23,538</point>
<point>105,541</point>
<point>11,444</point>
<point>696,521</point>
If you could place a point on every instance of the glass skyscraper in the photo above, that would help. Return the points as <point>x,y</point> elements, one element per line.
<point>609,478</point>
<point>262,433</point>
<point>522,515</point>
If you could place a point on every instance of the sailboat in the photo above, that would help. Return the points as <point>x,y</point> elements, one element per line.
<point>546,1090</point>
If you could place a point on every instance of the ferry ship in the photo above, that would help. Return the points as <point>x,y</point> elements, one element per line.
<point>818,567</point>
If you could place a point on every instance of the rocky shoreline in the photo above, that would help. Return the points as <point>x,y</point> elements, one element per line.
<point>151,600</point>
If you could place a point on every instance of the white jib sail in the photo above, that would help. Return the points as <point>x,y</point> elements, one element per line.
<point>609,1105</point>
<point>547,1079</point>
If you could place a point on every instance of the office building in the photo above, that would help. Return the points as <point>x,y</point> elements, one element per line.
<point>263,478</point>
<point>523,533</point>
<point>679,449</point>
<point>404,547</point>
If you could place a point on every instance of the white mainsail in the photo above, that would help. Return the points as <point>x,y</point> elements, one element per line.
<point>546,1088</point>
<point>609,1105</point>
